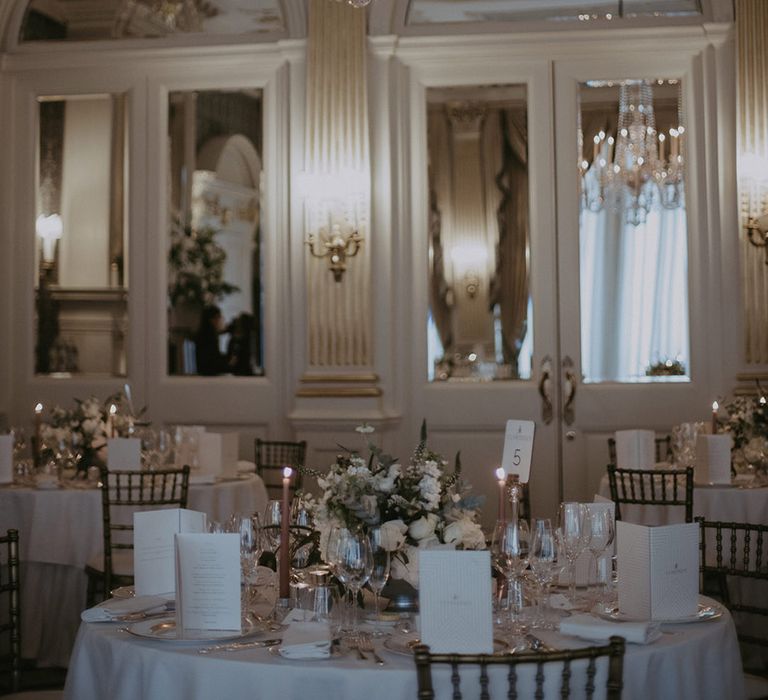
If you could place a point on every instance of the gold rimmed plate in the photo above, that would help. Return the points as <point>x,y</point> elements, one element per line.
<point>165,630</point>
<point>707,610</point>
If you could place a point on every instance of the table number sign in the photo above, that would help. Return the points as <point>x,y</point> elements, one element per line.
<point>6,459</point>
<point>208,582</point>
<point>518,448</point>
<point>658,570</point>
<point>154,558</point>
<point>124,454</point>
<point>455,601</point>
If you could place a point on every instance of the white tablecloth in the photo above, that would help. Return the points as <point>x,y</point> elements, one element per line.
<point>60,530</point>
<point>726,503</point>
<point>691,662</point>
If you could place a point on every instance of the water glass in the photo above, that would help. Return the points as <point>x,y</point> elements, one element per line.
<point>601,536</point>
<point>545,564</point>
<point>573,532</point>
<point>510,545</point>
<point>354,563</point>
<point>379,571</point>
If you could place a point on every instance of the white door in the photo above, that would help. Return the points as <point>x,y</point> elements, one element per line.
<point>468,410</point>
<point>632,297</point>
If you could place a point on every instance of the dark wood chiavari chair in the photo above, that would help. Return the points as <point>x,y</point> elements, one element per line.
<point>556,661</point>
<point>122,492</point>
<point>273,456</point>
<point>652,487</point>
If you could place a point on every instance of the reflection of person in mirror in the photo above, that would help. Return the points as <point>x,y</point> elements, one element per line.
<point>239,348</point>
<point>210,360</point>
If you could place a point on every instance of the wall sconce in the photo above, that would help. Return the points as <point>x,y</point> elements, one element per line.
<point>48,230</point>
<point>753,172</point>
<point>336,247</point>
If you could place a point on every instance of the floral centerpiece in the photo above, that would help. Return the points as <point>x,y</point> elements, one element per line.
<point>417,505</point>
<point>196,270</point>
<point>85,427</point>
<point>747,423</point>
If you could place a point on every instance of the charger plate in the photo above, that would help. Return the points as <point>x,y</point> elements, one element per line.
<point>708,610</point>
<point>164,630</point>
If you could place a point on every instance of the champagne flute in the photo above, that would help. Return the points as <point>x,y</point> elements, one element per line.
<point>509,549</point>
<point>601,535</point>
<point>355,565</point>
<point>573,531</point>
<point>544,564</point>
<point>379,572</point>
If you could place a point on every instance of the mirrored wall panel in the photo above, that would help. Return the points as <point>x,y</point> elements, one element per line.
<point>214,261</point>
<point>81,244</point>
<point>480,312</point>
<point>633,235</point>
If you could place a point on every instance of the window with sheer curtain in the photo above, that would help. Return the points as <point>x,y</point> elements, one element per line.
<point>634,296</point>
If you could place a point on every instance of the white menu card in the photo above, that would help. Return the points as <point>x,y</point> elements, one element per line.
<point>518,448</point>
<point>455,601</point>
<point>208,582</point>
<point>713,459</point>
<point>124,454</point>
<point>658,570</point>
<point>635,449</point>
<point>6,459</point>
<point>218,454</point>
<point>154,557</point>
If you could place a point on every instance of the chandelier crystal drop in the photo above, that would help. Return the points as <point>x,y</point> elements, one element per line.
<point>638,168</point>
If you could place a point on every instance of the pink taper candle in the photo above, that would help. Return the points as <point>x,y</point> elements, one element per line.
<point>285,556</point>
<point>37,447</point>
<point>715,407</point>
<point>501,475</point>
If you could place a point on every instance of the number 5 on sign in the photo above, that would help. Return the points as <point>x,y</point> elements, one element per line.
<point>518,448</point>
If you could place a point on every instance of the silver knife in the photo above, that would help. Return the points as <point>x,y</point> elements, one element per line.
<point>237,646</point>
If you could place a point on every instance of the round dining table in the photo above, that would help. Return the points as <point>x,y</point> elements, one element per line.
<point>60,530</point>
<point>694,661</point>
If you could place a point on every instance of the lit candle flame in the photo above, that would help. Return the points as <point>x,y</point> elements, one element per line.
<point>112,409</point>
<point>287,473</point>
<point>763,400</point>
<point>501,475</point>
<point>39,408</point>
<point>715,406</point>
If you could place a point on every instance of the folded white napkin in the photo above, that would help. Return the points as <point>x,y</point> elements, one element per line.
<point>305,640</point>
<point>596,630</point>
<point>115,608</point>
<point>244,466</point>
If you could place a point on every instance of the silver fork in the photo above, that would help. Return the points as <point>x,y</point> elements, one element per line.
<point>365,643</point>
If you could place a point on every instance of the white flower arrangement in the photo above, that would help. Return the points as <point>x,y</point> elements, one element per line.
<point>419,505</point>
<point>747,423</point>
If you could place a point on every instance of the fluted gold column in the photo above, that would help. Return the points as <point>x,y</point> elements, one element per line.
<point>752,58</point>
<point>337,192</point>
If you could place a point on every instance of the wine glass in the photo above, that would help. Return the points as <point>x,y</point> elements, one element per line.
<point>379,572</point>
<point>355,564</point>
<point>273,516</point>
<point>509,549</point>
<point>163,447</point>
<point>573,531</point>
<point>544,563</point>
<point>601,535</point>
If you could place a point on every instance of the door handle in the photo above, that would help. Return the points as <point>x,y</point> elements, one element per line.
<point>544,389</point>
<point>569,411</point>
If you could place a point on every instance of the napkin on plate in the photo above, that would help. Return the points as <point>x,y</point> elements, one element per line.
<point>116,608</point>
<point>245,467</point>
<point>305,640</point>
<point>596,630</point>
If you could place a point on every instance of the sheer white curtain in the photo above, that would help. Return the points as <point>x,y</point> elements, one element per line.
<point>634,294</point>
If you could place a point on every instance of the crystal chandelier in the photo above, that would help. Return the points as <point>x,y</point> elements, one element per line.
<point>158,17</point>
<point>639,167</point>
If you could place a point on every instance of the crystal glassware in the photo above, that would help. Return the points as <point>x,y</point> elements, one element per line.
<point>379,572</point>
<point>510,549</point>
<point>573,531</point>
<point>545,564</point>
<point>601,536</point>
<point>354,565</point>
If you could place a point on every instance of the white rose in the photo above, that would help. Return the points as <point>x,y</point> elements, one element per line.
<point>393,534</point>
<point>466,533</point>
<point>407,572</point>
<point>424,527</point>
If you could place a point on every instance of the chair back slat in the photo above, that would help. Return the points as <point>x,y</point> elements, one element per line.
<point>742,560</point>
<point>538,662</point>
<point>9,546</point>
<point>272,456</point>
<point>656,487</point>
<point>123,491</point>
